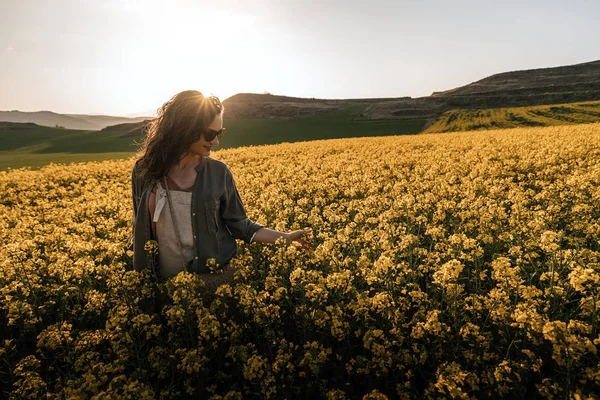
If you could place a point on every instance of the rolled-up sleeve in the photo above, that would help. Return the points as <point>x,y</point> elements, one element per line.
<point>234,215</point>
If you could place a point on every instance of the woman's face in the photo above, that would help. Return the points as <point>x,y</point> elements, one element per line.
<point>202,147</point>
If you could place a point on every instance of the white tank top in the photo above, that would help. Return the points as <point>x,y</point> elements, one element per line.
<point>168,246</point>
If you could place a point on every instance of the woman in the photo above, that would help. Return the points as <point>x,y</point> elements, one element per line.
<point>187,201</point>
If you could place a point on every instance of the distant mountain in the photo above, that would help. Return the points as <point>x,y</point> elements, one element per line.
<point>69,121</point>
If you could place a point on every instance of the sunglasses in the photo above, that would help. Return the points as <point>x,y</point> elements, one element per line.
<point>210,134</point>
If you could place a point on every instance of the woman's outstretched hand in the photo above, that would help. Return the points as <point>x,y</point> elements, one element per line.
<point>301,236</point>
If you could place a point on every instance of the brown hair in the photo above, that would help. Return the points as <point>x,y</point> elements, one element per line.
<point>177,126</point>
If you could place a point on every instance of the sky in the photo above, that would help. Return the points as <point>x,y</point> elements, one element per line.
<point>128,57</point>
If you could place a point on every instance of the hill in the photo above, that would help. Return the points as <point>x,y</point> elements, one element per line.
<point>252,105</point>
<point>498,118</point>
<point>542,86</point>
<point>26,135</point>
<point>28,144</point>
<point>583,77</point>
<point>69,121</point>
<point>130,129</point>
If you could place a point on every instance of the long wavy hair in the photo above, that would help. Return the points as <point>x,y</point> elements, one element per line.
<point>178,124</point>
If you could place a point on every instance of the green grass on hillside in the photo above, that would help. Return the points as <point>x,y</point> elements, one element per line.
<point>498,118</point>
<point>330,125</point>
<point>24,145</point>
<point>21,135</point>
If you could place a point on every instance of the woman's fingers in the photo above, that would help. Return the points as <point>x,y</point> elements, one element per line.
<point>301,236</point>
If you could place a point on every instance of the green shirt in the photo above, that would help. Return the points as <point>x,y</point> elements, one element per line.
<point>218,216</point>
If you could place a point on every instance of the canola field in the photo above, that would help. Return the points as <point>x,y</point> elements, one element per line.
<point>462,265</point>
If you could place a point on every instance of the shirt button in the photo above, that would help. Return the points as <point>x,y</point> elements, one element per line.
<point>194,236</point>
<point>193,214</point>
<point>196,258</point>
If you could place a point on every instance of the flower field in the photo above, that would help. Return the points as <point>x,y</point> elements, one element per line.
<point>458,265</point>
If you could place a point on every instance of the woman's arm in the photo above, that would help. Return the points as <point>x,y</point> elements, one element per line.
<point>241,227</point>
<point>265,235</point>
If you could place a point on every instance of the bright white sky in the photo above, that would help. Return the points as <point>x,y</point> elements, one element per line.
<point>124,57</point>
